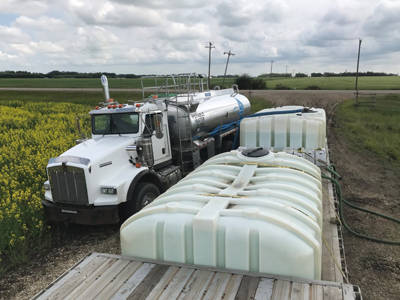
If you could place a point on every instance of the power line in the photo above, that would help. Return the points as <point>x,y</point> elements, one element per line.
<point>358,63</point>
<point>229,53</point>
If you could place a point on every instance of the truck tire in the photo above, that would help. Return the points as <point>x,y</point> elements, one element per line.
<point>145,193</point>
<point>139,197</point>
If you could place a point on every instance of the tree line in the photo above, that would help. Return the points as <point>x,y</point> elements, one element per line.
<point>70,74</point>
<point>63,74</point>
<point>351,74</point>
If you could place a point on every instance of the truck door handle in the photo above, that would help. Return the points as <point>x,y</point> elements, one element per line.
<point>163,150</point>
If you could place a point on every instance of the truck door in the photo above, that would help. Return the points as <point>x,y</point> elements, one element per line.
<point>154,127</point>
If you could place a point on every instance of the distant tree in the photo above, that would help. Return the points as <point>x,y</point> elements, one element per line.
<point>316,75</point>
<point>300,75</point>
<point>246,82</point>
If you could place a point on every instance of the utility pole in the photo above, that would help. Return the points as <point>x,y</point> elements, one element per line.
<point>286,69</point>
<point>358,64</point>
<point>270,73</point>
<point>229,53</point>
<point>210,46</point>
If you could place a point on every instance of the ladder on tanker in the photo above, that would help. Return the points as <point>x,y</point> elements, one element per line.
<point>180,90</point>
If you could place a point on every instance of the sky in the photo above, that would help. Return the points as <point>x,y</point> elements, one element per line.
<point>164,37</point>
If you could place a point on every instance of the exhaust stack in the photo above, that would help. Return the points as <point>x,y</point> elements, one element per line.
<point>104,83</point>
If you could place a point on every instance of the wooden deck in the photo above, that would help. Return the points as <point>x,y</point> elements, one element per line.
<point>106,276</point>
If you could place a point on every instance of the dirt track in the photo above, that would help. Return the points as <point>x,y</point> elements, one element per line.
<point>375,267</point>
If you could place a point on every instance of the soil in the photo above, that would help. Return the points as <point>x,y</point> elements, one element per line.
<point>366,181</point>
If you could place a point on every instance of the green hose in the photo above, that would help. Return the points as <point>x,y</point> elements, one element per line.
<point>338,190</point>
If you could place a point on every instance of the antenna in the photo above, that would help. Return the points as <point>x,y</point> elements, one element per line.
<point>210,46</point>
<point>227,62</point>
<point>104,83</point>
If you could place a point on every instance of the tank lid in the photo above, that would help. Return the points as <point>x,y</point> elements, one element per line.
<point>255,152</point>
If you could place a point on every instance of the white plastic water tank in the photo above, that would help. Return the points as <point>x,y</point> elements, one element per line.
<point>280,130</point>
<point>257,214</point>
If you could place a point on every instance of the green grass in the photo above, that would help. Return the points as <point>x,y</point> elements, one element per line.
<point>258,104</point>
<point>88,82</point>
<point>373,128</point>
<point>324,83</point>
<point>338,83</point>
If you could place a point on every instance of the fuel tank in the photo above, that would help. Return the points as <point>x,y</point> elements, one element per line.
<point>200,113</point>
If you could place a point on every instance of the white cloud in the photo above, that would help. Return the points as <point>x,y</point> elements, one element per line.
<point>25,7</point>
<point>107,13</point>
<point>42,23</point>
<point>12,34</point>
<point>158,36</point>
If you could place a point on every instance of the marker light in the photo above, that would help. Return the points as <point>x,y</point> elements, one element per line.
<point>108,190</point>
<point>138,165</point>
<point>137,104</point>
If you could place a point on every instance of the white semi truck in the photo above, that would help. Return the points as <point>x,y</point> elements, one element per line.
<point>139,149</point>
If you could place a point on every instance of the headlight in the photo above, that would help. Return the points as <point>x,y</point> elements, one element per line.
<point>46,186</point>
<point>108,190</point>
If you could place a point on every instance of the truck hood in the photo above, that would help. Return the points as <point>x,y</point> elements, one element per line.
<point>102,148</point>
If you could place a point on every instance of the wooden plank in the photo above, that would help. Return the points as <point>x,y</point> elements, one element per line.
<point>264,290</point>
<point>148,283</point>
<point>162,283</point>
<point>317,292</point>
<point>217,286</point>
<point>348,292</point>
<point>281,290</point>
<point>68,281</point>
<point>118,280</point>
<point>103,280</point>
<point>300,291</point>
<point>332,293</point>
<point>90,279</point>
<point>328,265</point>
<point>335,237</point>
<point>176,285</point>
<point>130,285</point>
<point>232,287</point>
<point>247,288</point>
<point>197,285</point>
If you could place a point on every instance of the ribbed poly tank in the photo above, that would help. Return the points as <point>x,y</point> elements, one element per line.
<point>258,214</point>
<point>282,130</point>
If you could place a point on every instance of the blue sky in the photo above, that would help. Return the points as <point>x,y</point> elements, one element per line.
<point>155,36</point>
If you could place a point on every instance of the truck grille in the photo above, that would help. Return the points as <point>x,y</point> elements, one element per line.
<point>68,185</point>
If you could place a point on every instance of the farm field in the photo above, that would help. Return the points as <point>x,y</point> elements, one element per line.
<point>132,83</point>
<point>37,125</point>
<point>324,83</point>
<point>338,83</point>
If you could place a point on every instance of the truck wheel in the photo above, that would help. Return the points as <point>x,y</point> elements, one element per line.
<point>146,192</point>
<point>143,194</point>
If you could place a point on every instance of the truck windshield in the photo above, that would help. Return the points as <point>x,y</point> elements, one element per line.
<point>115,123</point>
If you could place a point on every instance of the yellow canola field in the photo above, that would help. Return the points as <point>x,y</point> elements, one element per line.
<point>30,134</point>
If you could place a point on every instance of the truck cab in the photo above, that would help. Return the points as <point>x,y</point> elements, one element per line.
<point>89,182</point>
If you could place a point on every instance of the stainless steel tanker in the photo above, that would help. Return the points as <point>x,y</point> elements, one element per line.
<point>199,113</point>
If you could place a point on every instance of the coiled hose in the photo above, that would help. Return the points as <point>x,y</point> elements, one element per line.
<point>334,179</point>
